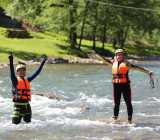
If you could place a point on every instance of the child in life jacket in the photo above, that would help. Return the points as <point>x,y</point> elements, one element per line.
<point>21,90</point>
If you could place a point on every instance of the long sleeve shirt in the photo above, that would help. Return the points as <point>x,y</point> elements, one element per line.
<point>29,78</point>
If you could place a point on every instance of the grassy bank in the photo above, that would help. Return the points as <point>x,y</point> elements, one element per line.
<point>56,45</point>
<point>50,44</point>
<point>27,49</point>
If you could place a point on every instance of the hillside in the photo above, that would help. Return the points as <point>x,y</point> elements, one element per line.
<point>29,45</point>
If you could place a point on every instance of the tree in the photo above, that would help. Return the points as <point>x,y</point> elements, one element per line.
<point>72,23</point>
<point>90,19</point>
<point>83,22</point>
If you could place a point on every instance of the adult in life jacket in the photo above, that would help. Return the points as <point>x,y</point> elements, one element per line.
<point>121,81</point>
<point>21,90</point>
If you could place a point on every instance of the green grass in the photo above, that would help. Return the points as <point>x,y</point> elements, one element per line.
<point>56,45</point>
<point>52,45</point>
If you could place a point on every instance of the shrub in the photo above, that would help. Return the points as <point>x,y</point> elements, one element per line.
<point>16,33</point>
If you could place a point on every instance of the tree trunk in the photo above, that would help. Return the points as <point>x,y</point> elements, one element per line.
<point>121,36</point>
<point>104,29</point>
<point>124,36</point>
<point>83,23</point>
<point>114,42</point>
<point>104,36</point>
<point>72,24</point>
<point>95,26</point>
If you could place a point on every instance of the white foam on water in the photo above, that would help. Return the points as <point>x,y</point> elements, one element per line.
<point>61,95</point>
<point>4,89</point>
<point>102,81</point>
<point>146,115</point>
<point>152,100</point>
<point>141,114</point>
<point>42,101</point>
<point>94,100</point>
<point>41,105</point>
<point>134,129</point>
<point>76,75</point>
<point>93,138</point>
<point>65,121</point>
<point>49,108</point>
<point>86,81</point>
<point>120,124</point>
<point>157,129</point>
<point>137,102</point>
<point>75,122</point>
<point>35,124</point>
<point>156,99</point>
<point>1,81</point>
<point>60,111</point>
<point>6,108</point>
<point>106,138</point>
<point>59,121</point>
<point>86,138</point>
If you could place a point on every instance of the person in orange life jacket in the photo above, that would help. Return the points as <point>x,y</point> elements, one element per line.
<point>121,82</point>
<point>21,90</point>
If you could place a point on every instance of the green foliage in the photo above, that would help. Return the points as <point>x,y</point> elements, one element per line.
<point>116,21</point>
<point>41,43</point>
<point>4,3</point>
<point>3,31</point>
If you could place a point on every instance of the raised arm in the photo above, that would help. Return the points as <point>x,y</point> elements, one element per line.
<point>141,69</point>
<point>36,73</point>
<point>105,60</point>
<point>144,70</point>
<point>12,72</point>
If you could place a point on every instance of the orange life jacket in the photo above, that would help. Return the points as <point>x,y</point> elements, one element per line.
<point>23,90</point>
<point>120,72</point>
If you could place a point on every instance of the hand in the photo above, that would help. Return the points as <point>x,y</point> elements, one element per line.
<point>151,74</point>
<point>115,59</point>
<point>151,79</point>
<point>44,57</point>
<point>10,56</point>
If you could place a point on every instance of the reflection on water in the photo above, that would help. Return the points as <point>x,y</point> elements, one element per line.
<point>85,109</point>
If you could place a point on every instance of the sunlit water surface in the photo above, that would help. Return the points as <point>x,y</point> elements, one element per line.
<point>86,107</point>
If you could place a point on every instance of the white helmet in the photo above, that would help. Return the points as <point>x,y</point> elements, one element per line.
<point>20,66</point>
<point>119,51</point>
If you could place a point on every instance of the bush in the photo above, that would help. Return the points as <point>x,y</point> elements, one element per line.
<point>15,33</point>
<point>1,11</point>
<point>3,31</point>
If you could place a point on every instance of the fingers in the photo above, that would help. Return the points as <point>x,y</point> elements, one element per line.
<point>10,56</point>
<point>44,57</point>
<point>151,73</point>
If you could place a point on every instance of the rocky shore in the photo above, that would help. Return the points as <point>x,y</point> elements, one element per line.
<point>77,60</point>
<point>73,60</point>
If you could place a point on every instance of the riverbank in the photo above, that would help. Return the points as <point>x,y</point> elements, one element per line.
<point>71,60</point>
<point>89,61</point>
<point>86,106</point>
<point>57,48</point>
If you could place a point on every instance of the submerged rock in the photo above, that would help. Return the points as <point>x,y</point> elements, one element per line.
<point>57,61</point>
<point>49,95</point>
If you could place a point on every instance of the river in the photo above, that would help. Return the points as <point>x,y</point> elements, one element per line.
<point>86,107</point>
